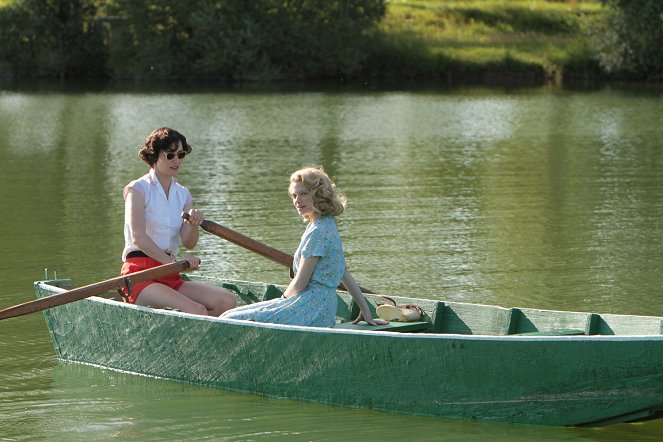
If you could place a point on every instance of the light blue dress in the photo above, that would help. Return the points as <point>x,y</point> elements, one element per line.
<point>316,305</point>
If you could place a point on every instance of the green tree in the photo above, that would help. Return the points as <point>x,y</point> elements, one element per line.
<point>631,37</point>
<point>238,39</point>
<point>58,38</point>
<point>149,39</point>
<point>189,39</point>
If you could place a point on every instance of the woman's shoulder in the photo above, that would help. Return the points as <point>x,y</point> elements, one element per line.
<point>141,184</point>
<point>146,180</point>
<point>182,190</point>
<point>179,186</point>
<point>325,224</point>
<point>323,221</point>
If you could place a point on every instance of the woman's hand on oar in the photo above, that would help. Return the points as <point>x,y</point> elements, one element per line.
<point>93,289</point>
<point>251,244</point>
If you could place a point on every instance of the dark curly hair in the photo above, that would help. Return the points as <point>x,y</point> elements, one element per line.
<point>161,139</point>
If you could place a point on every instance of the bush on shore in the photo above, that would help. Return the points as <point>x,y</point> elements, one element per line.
<point>628,42</point>
<point>52,39</point>
<point>267,40</point>
<point>240,40</point>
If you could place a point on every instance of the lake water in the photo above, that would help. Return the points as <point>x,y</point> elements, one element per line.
<point>543,197</point>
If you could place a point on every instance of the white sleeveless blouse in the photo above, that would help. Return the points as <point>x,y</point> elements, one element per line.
<point>163,216</point>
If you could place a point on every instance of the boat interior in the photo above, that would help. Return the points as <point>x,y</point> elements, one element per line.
<point>455,317</point>
<point>472,319</point>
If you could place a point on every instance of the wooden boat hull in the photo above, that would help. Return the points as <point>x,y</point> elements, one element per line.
<point>550,380</point>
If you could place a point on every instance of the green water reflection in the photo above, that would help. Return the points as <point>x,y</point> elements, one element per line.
<point>545,198</point>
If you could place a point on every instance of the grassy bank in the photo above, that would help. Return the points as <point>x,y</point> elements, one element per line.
<point>452,40</point>
<point>507,38</point>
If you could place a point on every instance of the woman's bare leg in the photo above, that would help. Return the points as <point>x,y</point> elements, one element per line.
<point>159,296</point>
<point>216,299</point>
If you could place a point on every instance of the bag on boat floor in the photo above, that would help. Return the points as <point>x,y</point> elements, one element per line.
<point>399,313</point>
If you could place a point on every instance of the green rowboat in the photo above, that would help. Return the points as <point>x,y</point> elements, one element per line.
<point>466,361</point>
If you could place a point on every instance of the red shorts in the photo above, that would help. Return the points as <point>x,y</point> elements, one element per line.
<point>133,265</point>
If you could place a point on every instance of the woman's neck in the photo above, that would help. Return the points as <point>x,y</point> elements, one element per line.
<point>165,181</point>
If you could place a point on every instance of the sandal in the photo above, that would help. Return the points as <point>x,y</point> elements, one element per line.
<point>399,313</point>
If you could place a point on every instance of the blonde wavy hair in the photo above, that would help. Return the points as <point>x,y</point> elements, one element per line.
<point>327,199</point>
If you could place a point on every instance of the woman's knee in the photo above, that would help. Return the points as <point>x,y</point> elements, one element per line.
<point>228,300</point>
<point>215,299</point>
<point>223,301</point>
<point>197,309</point>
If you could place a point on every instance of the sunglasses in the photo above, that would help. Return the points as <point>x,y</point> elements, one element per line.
<point>170,155</point>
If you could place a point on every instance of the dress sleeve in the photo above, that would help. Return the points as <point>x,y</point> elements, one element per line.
<point>314,243</point>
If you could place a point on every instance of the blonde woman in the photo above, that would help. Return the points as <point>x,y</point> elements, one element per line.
<point>319,263</point>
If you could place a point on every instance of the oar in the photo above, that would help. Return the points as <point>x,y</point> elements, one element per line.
<point>93,289</point>
<point>246,242</point>
<point>251,244</point>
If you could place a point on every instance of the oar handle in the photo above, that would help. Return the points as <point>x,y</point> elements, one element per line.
<point>93,289</point>
<point>246,242</point>
<point>253,245</point>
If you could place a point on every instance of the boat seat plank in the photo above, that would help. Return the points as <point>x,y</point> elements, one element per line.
<point>271,292</point>
<point>438,317</point>
<point>554,332</point>
<point>611,324</point>
<point>472,319</point>
<point>548,322</point>
<point>391,327</point>
<point>243,292</point>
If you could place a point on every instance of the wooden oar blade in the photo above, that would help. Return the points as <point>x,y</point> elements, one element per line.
<point>92,289</point>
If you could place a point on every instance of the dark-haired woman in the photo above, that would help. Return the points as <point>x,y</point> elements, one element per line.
<point>154,230</point>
